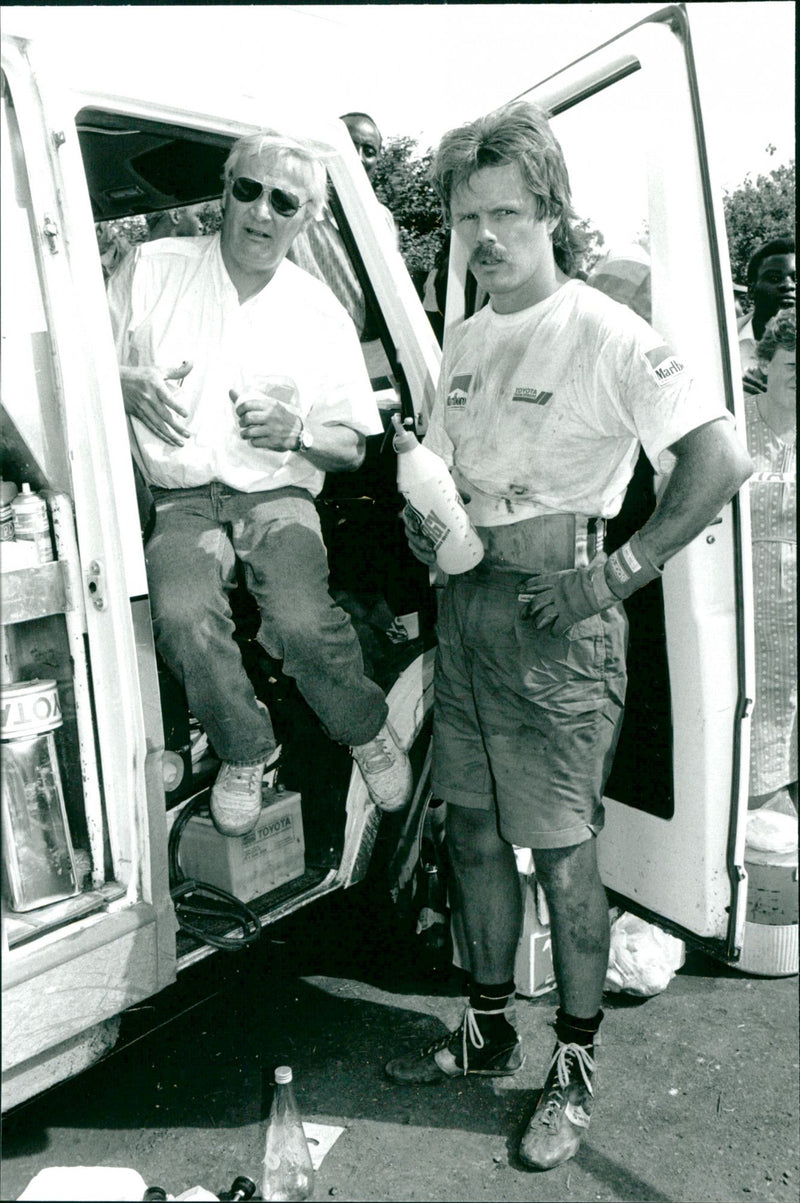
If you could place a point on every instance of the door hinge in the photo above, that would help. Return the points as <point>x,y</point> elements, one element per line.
<point>59,137</point>
<point>51,233</point>
<point>94,583</point>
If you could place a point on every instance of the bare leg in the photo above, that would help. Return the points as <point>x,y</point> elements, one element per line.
<point>488,896</point>
<point>579,923</point>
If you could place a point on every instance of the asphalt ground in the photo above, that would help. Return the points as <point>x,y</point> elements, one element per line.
<point>697,1098</point>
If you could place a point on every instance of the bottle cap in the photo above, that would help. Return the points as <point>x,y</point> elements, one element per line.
<point>283,1074</point>
<point>403,439</point>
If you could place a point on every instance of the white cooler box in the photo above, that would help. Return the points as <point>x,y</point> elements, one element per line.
<point>533,968</point>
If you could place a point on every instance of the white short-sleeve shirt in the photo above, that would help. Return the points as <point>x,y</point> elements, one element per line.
<point>173,300</point>
<point>545,409</point>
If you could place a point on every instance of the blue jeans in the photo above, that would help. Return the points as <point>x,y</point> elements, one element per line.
<point>199,535</point>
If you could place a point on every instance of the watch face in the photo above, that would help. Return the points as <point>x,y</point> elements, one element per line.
<point>305,439</point>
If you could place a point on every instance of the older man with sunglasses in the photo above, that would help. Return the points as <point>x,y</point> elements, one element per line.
<point>234,472</point>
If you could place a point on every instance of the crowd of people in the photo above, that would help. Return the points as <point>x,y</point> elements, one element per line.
<point>530,672</point>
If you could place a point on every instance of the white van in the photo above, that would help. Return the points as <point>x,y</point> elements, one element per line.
<point>131,756</point>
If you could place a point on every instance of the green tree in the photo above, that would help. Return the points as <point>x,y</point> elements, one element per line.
<point>757,211</point>
<point>402,181</point>
<point>593,243</point>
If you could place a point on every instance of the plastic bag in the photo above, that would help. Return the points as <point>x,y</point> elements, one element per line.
<point>643,959</point>
<point>771,831</point>
<point>85,1182</point>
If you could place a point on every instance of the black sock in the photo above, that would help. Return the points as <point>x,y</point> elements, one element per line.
<point>571,1029</point>
<point>483,997</point>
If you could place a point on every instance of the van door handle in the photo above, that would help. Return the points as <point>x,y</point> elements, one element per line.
<point>94,584</point>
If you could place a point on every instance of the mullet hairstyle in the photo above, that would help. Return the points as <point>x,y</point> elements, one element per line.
<point>516,133</point>
<point>275,148</point>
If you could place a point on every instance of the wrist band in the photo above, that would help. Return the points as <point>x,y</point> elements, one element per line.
<point>629,568</point>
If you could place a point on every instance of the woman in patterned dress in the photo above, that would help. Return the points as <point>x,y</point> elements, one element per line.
<point>771,431</point>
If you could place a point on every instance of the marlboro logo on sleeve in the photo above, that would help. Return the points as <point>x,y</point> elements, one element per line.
<point>664,364</point>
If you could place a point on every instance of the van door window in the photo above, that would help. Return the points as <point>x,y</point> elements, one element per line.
<point>601,139</point>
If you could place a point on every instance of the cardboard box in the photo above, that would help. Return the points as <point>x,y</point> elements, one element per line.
<point>250,865</point>
<point>533,968</point>
<point>771,890</point>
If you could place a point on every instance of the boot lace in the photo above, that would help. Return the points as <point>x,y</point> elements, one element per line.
<point>569,1060</point>
<point>469,1033</point>
<point>244,779</point>
<point>375,756</point>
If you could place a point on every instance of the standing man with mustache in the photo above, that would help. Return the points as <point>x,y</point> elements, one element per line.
<point>234,477</point>
<point>544,399</point>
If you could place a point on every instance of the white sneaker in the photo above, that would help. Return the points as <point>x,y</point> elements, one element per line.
<point>236,795</point>
<point>386,770</point>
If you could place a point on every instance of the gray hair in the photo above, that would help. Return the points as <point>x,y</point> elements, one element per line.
<point>516,133</point>
<point>276,148</point>
<point>780,331</point>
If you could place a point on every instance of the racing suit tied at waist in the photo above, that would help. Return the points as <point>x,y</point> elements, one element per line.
<point>547,543</point>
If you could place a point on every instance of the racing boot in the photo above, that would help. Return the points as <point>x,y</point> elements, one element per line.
<point>562,1114</point>
<point>465,1051</point>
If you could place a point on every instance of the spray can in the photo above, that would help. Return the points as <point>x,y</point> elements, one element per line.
<point>8,491</point>
<point>6,524</point>
<point>425,482</point>
<point>31,523</point>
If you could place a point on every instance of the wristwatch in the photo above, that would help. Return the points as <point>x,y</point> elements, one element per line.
<point>305,439</point>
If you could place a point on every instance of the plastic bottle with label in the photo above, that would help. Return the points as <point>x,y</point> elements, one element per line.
<point>424,480</point>
<point>287,1171</point>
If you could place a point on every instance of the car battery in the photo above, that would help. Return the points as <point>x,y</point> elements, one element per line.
<point>250,865</point>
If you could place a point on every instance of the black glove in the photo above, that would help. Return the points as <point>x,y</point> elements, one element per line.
<point>560,599</point>
<point>564,598</point>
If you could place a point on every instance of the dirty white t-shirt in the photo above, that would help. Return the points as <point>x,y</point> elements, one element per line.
<point>173,300</point>
<point>545,409</point>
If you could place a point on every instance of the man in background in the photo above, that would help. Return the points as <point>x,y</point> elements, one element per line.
<point>366,138</point>
<point>771,282</point>
<point>183,222</point>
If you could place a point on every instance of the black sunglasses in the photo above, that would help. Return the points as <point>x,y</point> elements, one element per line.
<point>285,204</point>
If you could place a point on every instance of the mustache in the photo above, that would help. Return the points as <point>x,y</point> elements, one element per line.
<point>486,255</point>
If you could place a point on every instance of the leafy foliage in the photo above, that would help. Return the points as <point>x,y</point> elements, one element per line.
<point>402,181</point>
<point>593,243</point>
<point>757,211</point>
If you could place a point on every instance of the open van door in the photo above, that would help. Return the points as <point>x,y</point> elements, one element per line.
<point>97,909</point>
<point>629,120</point>
<point>108,940</point>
